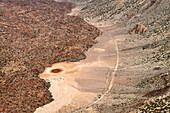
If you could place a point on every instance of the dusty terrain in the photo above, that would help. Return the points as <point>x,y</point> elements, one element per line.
<point>35,34</point>
<point>143,70</point>
<point>80,83</point>
<point>139,64</point>
<point>139,76</point>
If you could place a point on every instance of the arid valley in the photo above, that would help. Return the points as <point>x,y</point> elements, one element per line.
<point>84,56</point>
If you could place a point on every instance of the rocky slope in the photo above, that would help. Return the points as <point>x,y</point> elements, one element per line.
<point>144,65</point>
<point>35,34</point>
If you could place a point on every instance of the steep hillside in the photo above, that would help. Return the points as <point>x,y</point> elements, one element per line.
<point>35,34</point>
<point>144,64</point>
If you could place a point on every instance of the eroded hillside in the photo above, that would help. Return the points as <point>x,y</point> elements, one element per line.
<point>144,65</point>
<point>35,34</point>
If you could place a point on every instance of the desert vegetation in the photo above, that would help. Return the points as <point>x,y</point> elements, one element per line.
<point>146,51</point>
<point>157,105</point>
<point>35,34</point>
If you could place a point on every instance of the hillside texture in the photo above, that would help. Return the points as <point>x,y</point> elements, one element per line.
<point>33,35</point>
<point>144,67</point>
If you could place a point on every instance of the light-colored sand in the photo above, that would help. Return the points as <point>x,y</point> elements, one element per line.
<point>75,11</point>
<point>79,83</point>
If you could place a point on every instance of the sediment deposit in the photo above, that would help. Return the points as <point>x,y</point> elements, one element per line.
<point>44,49</point>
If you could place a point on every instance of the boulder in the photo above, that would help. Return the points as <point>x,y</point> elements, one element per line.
<point>138,29</point>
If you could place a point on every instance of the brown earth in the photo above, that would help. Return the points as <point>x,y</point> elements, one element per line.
<point>136,80</point>
<point>144,57</point>
<point>139,28</point>
<point>35,34</point>
<point>81,83</point>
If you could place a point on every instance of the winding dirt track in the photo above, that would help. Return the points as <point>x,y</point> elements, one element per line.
<point>79,83</point>
<point>110,73</point>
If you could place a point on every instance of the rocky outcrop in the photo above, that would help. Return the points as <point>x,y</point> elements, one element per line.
<point>139,28</point>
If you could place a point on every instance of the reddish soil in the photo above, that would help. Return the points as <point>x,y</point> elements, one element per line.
<point>56,70</point>
<point>35,34</point>
<point>138,29</point>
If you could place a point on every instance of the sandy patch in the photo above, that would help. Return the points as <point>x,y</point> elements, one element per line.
<point>79,83</point>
